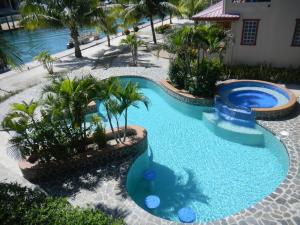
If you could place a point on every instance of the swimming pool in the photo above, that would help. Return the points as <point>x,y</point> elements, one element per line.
<point>194,167</point>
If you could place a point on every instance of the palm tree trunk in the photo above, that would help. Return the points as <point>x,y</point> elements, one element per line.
<point>74,35</point>
<point>108,40</point>
<point>125,127</point>
<point>152,28</point>
<point>111,126</point>
<point>171,18</point>
<point>135,56</point>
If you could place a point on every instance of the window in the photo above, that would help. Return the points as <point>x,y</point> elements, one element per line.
<point>296,38</point>
<point>249,34</point>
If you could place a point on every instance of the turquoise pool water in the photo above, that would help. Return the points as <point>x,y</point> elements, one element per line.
<point>195,168</point>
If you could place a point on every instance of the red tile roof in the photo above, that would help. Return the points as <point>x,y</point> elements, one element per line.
<point>215,12</point>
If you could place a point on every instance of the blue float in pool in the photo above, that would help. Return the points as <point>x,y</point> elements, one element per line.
<point>149,175</point>
<point>152,201</point>
<point>187,215</point>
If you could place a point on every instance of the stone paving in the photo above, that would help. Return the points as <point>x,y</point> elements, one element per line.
<point>103,187</point>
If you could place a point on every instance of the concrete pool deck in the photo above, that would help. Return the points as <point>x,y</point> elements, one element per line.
<point>103,187</point>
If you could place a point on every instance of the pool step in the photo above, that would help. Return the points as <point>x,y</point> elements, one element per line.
<point>232,132</point>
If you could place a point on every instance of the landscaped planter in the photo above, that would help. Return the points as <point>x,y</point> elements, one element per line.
<point>136,143</point>
<point>184,96</point>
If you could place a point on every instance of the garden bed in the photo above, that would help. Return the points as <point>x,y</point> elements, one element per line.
<point>184,96</point>
<point>135,144</point>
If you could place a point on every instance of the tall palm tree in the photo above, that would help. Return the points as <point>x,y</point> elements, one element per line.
<point>9,55</point>
<point>106,91</point>
<point>133,42</point>
<point>149,9</point>
<point>64,13</point>
<point>105,19</point>
<point>131,96</point>
<point>189,8</point>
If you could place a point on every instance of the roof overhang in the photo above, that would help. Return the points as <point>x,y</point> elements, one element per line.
<point>216,13</point>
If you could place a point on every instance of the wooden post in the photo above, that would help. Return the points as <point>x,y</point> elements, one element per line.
<point>7,22</point>
<point>12,19</point>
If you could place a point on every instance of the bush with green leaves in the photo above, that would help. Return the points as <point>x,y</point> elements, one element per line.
<point>163,28</point>
<point>205,77</point>
<point>46,60</point>
<point>21,205</point>
<point>177,73</point>
<point>262,72</point>
<point>55,128</point>
<point>197,63</point>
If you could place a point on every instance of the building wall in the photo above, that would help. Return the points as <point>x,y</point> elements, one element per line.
<point>274,37</point>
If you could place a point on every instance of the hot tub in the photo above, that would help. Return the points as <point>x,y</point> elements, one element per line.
<point>267,100</point>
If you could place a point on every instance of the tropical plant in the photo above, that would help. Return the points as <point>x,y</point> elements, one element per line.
<point>106,91</point>
<point>133,43</point>
<point>9,55</point>
<point>130,96</point>
<point>262,72</point>
<point>149,9</point>
<point>189,8</point>
<point>23,205</point>
<point>99,134</point>
<point>171,12</point>
<point>60,131</point>
<point>163,28</point>
<point>105,20</point>
<point>117,98</point>
<point>194,66</point>
<point>46,60</point>
<point>65,13</point>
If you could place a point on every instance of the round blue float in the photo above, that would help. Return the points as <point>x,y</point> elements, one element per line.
<point>187,215</point>
<point>152,201</point>
<point>149,174</point>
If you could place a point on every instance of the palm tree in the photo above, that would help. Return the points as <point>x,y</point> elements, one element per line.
<point>52,13</point>
<point>130,96</point>
<point>9,55</point>
<point>211,38</point>
<point>133,42</point>
<point>176,4</point>
<point>18,120</point>
<point>68,99</point>
<point>189,8</point>
<point>46,60</point>
<point>106,91</point>
<point>105,19</point>
<point>149,9</point>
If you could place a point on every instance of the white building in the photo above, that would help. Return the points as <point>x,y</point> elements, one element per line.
<point>264,31</point>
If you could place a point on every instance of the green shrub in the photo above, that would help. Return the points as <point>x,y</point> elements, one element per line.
<point>261,72</point>
<point>177,73</point>
<point>205,78</point>
<point>99,135</point>
<point>136,29</point>
<point>21,205</point>
<point>163,28</point>
<point>61,131</point>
